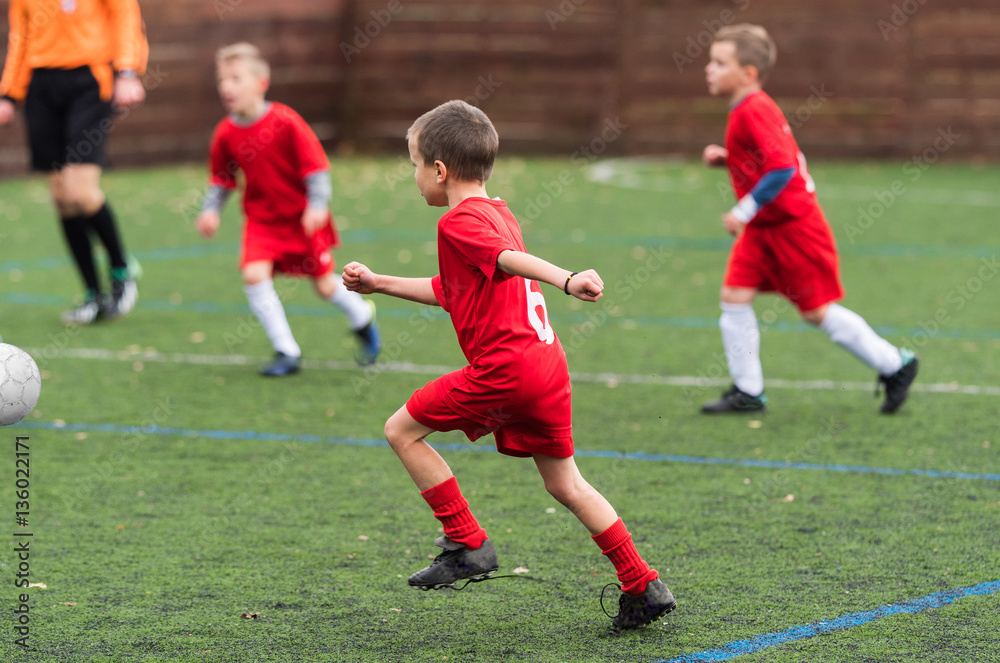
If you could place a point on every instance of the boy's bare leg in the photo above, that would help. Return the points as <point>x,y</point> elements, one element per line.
<point>565,483</point>
<point>440,490</point>
<point>76,190</point>
<point>83,211</point>
<point>406,437</point>
<point>76,195</point>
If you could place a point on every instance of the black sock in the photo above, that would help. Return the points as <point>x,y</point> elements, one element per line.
<point>76,231</point>
<point>103,223</point>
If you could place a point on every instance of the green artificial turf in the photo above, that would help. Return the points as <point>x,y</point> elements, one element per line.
<point>173,490</point>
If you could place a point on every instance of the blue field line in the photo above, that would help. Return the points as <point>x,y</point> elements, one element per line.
<point>143,255</point>
<point>489,448</point>
<point>766,641</point>
<point>433,313</point>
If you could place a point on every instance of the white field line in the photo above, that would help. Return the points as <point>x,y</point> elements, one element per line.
<point>627,173</point>
<point>610,379</point>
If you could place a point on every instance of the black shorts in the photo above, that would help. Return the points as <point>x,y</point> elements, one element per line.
<point>68,122</point>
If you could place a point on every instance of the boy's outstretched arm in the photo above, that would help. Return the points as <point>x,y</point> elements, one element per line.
<point>360,279</point>
<point>586,285</point>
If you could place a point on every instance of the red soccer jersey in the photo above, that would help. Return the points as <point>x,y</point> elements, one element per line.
<point>759,141</point>
<point>501,320</point>
<point>276,153</point>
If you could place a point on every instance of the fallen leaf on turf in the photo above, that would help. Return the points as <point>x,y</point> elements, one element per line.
<point>362,538</point>
<point>40,585</point>
<point>395,610</point>
<point>521,569</point>
<point>754,423</point>
<point>67,603</point>
<point>551,509</point>
<point>788,498</point>
<point>250,615</point>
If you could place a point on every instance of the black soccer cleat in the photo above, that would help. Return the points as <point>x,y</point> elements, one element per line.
<point>282,364</point>
<point>897,385</point>
<point>735,400</point>
<point>87,313</point>
<point>123,297</point>
<point>636,611</point>
<point>456,563</point>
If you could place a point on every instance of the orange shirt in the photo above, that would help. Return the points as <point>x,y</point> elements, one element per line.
<point>106,35</point>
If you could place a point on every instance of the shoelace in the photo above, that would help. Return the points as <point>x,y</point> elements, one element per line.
<point>468,581</point>
<point>444,555</point>
<point>603,589</point>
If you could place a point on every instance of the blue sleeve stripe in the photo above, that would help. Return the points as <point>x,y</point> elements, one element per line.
<point>771,184</point>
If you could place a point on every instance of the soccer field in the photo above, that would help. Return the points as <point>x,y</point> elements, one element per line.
<point>174,492</point>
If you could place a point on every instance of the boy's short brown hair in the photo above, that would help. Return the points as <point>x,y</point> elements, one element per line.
<point>244,52</point>
<point>754,47</point>
<point>460,136</point>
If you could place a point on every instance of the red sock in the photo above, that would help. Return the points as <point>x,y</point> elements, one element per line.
<point>633,571</point>
<point>452,509</point>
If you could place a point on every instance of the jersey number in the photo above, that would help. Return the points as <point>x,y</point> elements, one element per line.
<point>540,323</point>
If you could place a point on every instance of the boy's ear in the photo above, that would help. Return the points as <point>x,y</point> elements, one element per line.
<point>441,170</point>
<point>265,83</point>
<point>752,73</point>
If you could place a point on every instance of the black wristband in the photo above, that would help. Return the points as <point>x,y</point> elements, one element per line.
<point>566,285</point>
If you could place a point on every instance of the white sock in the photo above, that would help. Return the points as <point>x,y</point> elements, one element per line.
<point>359,312</point>
<point>850,331</point>
<point>741,341</point>
<point>265,304</point>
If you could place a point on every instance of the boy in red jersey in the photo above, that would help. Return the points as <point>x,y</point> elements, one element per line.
<point>288,227</point>
<point>783,242</point>
<point>517,382</point>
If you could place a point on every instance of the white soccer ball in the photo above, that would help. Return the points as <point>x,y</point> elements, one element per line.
<point>20,384</point>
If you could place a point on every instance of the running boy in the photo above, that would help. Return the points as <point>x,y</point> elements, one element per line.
<point>783,242</point>
<point>517,382</point>
<point>288,228</point>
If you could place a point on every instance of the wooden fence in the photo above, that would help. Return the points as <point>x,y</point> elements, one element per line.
<point>857,78</point>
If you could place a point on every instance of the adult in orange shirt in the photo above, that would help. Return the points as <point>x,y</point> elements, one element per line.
<point>71,62</point>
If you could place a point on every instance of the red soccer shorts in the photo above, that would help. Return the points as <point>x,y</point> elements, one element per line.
<point>289,248</point>
<point>796,259</point>
<point>526,415</point>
